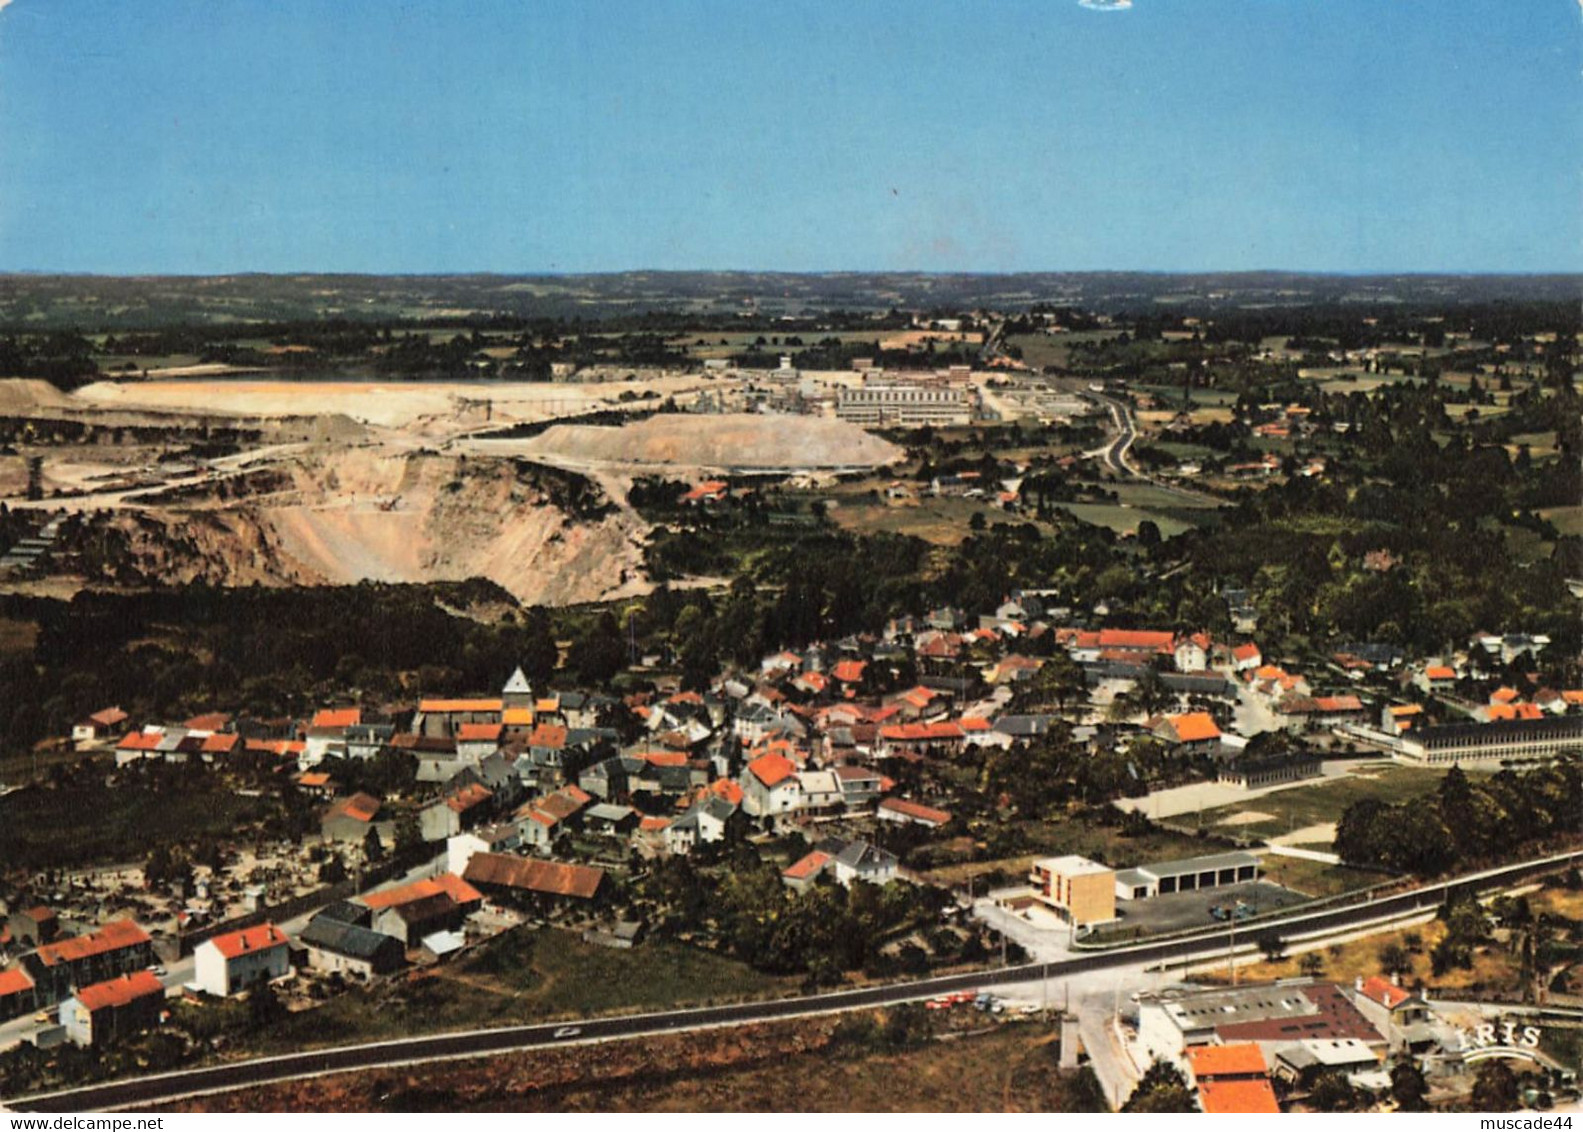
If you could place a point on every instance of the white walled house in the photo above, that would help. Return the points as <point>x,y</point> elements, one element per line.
<point>231,963</point>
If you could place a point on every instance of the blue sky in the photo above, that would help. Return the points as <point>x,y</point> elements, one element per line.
<point>994,135</point>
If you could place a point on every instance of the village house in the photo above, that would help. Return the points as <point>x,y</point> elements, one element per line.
<point>1400,1015</point>
<point>1231,1078</point>
<point>770,786</point>
<point>103,1013</point>
<point>231,963</point>
<point>118,948</point>
<point>341,938</point>
<point>522,878</point>
<point>349,820</point>
<point>100,725</point>
<point>911,813</point>
<point>33,926</point>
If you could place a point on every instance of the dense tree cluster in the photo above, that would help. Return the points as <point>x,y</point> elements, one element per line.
<point>1463,822</point>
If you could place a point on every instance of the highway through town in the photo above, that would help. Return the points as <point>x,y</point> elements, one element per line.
<point>167,1087</point>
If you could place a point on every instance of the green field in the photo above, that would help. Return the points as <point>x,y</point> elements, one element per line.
<point>1315,878</point>
<point>1325,799</point>
<point>525,976</point>
<point>1121,519</point>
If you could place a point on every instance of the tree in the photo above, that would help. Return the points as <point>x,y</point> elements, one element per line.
<point>1495,1088</point>
<point>1312,964</point>
<point>1161,1089</point>
<point>1331,1092</point>
<point>1408,1087</point>
<point>1394,959</point>
<point>373,847</point>
<point>1272,946</point>
<point>1148,533</point>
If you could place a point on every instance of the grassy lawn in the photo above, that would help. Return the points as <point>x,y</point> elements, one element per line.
<point>1121,519</point>
<point>525,976</point>
<point>1325,799</point>
<point>943,522</point>
<point>1099,843</point>
<point>1315,878</point>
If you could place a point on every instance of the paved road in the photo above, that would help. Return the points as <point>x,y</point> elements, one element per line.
<point>219,1078</point>
<point>1115,454</point>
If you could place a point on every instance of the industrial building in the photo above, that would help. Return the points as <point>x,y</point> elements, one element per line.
<point>1188,875</point>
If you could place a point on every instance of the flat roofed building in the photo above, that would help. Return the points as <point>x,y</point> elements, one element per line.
<point>1081,891</point>
<point>900,404</point>
<point>1517,740</point>
<point>1187,875</point>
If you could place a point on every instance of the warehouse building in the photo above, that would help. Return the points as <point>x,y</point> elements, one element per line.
<point>1188,875</point>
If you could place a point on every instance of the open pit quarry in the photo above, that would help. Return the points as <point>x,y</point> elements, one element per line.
<point>343,482</point>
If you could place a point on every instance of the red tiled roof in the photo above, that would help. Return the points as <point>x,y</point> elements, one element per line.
<point>807,867</point>
<point>314,780</point>
<point>1249,651</point>
<point>1440,672</point>
<point>14,981</point>
<point>119,992</point>
<point>550,736</point>
<point>221,743</point>
<point>915,810</point>
<point>772,769</point>
<point>1384,992</point>
<point>551,877</point>
<point>359,807</point>
<point>114,936</point>
<point>652,825</point>
<point>446,884</point>
<point>1193,727</point>
<point>212,721</point>
<point>259,938</point>
<point>109,717</point>
<point>849,671</point>
<point>479,732</point>
<point>1223,1061</point>
<point>1237,1097</point>
<point>473,794</point>
<point>1504,695</point>
<point>139,741</point>
<point>337,717</point>
<point>709,489</point>
<point>920,732</point>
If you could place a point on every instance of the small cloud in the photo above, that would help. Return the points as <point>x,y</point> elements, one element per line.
<point>1122,5</point>
<point>6,3</point>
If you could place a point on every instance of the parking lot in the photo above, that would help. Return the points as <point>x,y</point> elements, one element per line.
<point>1184,910</point>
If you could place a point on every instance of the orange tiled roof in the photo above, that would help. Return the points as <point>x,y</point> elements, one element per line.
<point>359,807</point>
<point>338,717</point>
<point>1504,695</point>
<point>1237,1096</point>
<point>232,944</point>
<point>14,981</point>
<point>915,810</point>
<point>1240,1058</point>
<point>1440,672</point>
<point>850,671</point>
<point>772,769</point>
<point>112,937</point>
<point>1193,727</point>
<point>478,732</point>
<point>119,992</point>
<point>806,867</point>
<point>1384,992</point>
<point>446,707</point>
